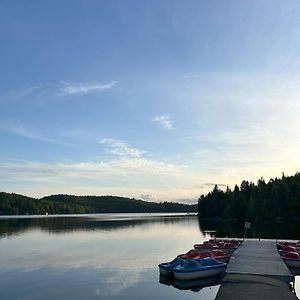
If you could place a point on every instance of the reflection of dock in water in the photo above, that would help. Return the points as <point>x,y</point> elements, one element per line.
<point>256,271</point>
<point>194,285</point>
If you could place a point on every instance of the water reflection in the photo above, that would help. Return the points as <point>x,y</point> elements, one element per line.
<point>195,285</point>
<point>259,229</point>
<point>12,226</point>
<point>266,229</point>
<point>88,258</point>
<point>207,227</point>
<point>107,258</point>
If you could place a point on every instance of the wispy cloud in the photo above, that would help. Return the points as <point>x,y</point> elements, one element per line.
<point>121,149</point>
<point>23,131</point>
<point>126,173</point>
<point>164,121</point>
<point>77,88</point>
<point>124,177</point>
<point>30,95</point>
<point>142,178</point>
<point>49,92</point>
<point>88,169</point>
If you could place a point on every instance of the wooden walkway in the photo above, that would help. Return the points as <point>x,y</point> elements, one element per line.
<point>256,271</point>
<point>255,257</point>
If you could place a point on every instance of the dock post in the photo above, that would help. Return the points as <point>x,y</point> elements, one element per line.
<point>247,225</point>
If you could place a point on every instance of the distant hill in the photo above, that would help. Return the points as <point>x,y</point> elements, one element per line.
<point>14,204</point>
<point>277,199</point>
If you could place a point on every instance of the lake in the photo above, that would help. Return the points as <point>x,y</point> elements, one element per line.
<point>104,256</point>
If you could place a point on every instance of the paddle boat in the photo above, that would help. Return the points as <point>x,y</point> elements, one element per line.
<point>216,254</point>
<point>220,255</point>
<point>223,241</point>
<point>207,246</point>
<point>198,268</point>
<point>165,269</point>
<point>286,249</point>
<point>195,254</point>
<point>280,245</point>
<point>292,259</point>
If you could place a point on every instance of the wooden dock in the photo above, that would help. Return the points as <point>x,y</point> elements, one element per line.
<point>256,271</point>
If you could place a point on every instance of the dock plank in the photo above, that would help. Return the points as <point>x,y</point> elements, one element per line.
<point>255,257</point>
<point>256,271</point>
<point>252,287</point>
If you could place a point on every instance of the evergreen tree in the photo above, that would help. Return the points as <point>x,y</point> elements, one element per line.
<point>278,198</point>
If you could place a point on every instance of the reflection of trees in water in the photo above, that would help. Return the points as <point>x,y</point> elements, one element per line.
<point>14,226</point>
<point>222,228</point>
<point>259,229</point>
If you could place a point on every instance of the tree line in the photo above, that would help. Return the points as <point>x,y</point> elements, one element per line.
<point>278,198</point>
<point>15,204</point>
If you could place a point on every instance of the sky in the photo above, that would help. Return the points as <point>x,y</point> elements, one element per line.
<point>156,100</point>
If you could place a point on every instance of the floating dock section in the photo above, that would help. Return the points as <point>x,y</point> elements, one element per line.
<point>256,271</point>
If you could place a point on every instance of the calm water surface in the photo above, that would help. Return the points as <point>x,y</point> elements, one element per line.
<point>107,256</point>
<point>94,257</point>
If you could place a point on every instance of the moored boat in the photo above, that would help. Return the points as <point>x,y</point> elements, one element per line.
<point>165,269</point>
<point>282,244</point>
<point>226,247</point>
<point>292,259</point>
<point>215,253</point>
<point>236,242</point>
<point>199,268</point>
<point>220,255</point>
<point>286,249</point>
<point>193,254</point>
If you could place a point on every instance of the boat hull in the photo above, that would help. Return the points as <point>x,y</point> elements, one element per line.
<point>197,274</point>
<point>165,272</point>
<point>292,263</point>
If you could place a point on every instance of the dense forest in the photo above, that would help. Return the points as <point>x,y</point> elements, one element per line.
<point>14,204</point>
<point>277,199</point>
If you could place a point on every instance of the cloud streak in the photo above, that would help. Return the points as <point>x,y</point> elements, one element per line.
<point>126,173</point>
<point>164,121</point>
<point>91,169</point>
<point>50,92</point>
<point>164,182</point>
<point>69,88</point>
<point>121,149</point>
<point>124,177</point>
<point>21,130</point>
<point>126,161</point>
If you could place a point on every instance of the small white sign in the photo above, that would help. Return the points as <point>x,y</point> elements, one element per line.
<point>247,225</point>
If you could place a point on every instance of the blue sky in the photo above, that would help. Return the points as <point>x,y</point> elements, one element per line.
<point>158,100</point>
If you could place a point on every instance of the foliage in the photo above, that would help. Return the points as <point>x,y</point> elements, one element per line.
<point>277,199</point>
<point>14,204</point>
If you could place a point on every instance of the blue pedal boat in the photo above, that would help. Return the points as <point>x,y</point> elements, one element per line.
<point>191,269</point>
<point>199,268</point>
<point>165,269</point>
